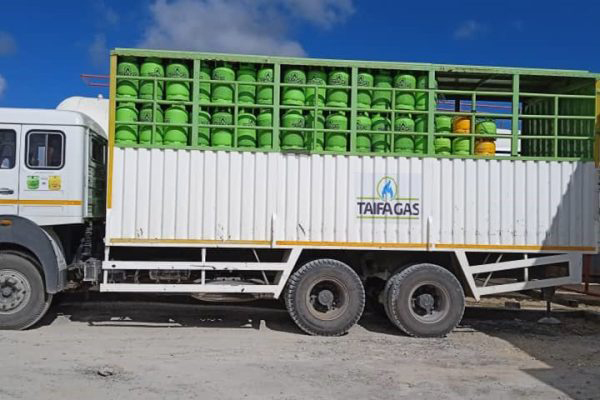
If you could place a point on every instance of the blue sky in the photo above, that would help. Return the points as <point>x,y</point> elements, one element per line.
<point>46,45</point>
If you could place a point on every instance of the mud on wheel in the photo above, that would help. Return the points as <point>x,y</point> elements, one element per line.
<point>424,300</point>
<point>23,299</point>
<point>325,297</point>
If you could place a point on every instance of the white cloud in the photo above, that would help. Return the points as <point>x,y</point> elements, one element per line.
<point>98,51</point>
<point>469,29</point>
<point>2,85</point>
<point>321,12</point>
<point>237,26</point>
<point>7,44</point>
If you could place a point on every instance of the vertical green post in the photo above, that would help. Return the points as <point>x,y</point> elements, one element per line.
<point>555,127</point>
<point>236,91</point>
<point>431,108</point>
<point>276,101</point>
<point>514,143</point>
<point>353,108</point>
<point>473,112</point>
<point>155,106</point>
<point>195,99</point>
<point>392,134</point>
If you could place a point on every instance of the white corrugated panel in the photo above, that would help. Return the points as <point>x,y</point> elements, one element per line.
<point>183,197</point>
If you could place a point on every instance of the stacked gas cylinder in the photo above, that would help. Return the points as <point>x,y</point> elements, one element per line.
<point>315,109</point>
<point>154,106</point>
<point>235,104</point>
<point>386,103</point>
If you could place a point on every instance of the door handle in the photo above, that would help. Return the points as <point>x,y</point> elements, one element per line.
<point>6,191</point>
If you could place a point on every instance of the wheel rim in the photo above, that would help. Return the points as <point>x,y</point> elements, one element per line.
<point>15,291</point>
<point>327,299</point>
<point>429,302</point>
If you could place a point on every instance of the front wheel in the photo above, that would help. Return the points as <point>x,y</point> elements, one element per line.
<point>325,297</point>
<point>424,300</point>
<point>23,299</point>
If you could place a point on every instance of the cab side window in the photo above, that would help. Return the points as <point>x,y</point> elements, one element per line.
<point>8,148</point>
<point>45,150</point>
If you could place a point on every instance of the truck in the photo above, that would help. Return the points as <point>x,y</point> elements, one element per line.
<point>325,183</point>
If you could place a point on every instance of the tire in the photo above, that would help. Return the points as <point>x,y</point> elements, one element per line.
<point>325,297</point>
<point>424,300</point>
<point>23,298</point>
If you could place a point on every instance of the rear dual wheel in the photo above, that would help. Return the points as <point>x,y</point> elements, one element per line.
<point>424,300</point>
<point>325,297</point>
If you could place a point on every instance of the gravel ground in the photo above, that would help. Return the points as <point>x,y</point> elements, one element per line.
<point>178,349</point>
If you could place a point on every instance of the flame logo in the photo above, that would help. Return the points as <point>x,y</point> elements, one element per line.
<point>386,188</point>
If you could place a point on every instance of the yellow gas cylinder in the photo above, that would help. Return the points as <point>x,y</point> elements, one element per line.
<point>485,147</point>
<point>461,125</point>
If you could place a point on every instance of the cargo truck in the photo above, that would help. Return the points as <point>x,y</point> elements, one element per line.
<point>322,182</point>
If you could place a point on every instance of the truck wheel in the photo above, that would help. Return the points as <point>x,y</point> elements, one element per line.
<point>424,300</point>
<point>325,297</point>
<point>23,299</point>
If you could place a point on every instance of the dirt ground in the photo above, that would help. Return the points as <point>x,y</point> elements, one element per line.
<point>175,348</point>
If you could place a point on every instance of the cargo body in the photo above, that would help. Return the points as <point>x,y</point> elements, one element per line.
<point>165,197</point>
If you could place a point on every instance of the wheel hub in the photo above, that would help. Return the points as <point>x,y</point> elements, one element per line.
<point>14,291</point>
<point>426,301</point>
<point>326,298</point>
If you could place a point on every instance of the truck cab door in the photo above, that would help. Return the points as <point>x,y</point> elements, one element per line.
<point>10,138</point>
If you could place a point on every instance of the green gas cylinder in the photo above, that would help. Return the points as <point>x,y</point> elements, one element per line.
<point>146,115</point>
<point>379,142</point>
<point>203,132</point>
<point>319,137</point>
<point>443,124</point>
<point>363,139</point>
<point>486,127</point>
<point>405,100</point>
<point>222,137</point>
<point>246,73</point>
<point>265,136</point>
<point>176,135</point>
<point>382,98</point>
<point>264,93</point>
<point>363,99</point>
<point>178,90</point>
<point>461,146</point>
<point>442,145</point>
<point>337,97</point>
<point>292,139</point>
<point>338,140</point>
<point>152,67</point>
<point>246,129</point>
<point>204,87</point>
<point>404,143</point>
<point>422,98</point>
<point>316,77</point>
<point>421,141</point>
<point>222,93</point>
<point>294,96</point>
<point>124,133</point>
<point>127,88</point>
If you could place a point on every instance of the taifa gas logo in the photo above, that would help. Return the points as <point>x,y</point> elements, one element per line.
<point>387,204</point>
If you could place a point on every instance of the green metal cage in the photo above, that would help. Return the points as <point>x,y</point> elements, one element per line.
<point>550,114</point>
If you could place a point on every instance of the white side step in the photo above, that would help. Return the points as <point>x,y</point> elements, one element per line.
<point>526,265</point>
<point>284,270</point>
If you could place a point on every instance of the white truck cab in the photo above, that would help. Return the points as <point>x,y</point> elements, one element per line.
<point>45,172</point>
<point>52,200</point>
